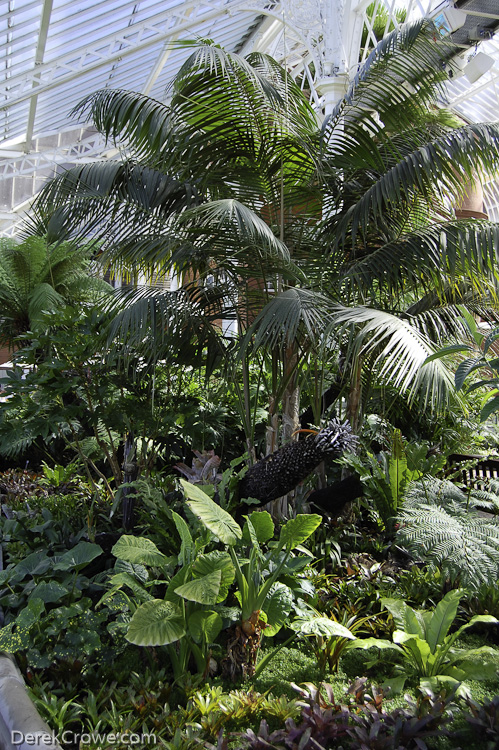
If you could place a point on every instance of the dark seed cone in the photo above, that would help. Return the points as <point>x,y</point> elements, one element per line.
<point>280,472</point>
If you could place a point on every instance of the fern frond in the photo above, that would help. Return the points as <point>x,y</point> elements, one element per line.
<point>437,525</point>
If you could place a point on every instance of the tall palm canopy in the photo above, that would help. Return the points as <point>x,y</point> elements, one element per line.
<point>329,236</point>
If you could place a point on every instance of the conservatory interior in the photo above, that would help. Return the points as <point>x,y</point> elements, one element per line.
<point>249,374</point>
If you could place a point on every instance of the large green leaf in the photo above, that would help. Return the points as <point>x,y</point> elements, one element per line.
<point>322,626</point>
<point>203,590</point>
<point>443,616</point>
<point>78,557</point>
<point>215,518</point>
<point>216,560</point>
<point>138,550</point>
<point>296,530</point>
<point>156,623</point>
<point>277,607</point>
<point>50,591</point>
<point>205,626</point>
<point>181,576</point>
<point>119,580</point>
<point>404,616</point>
<point>263,526</point>
<point>34,564</point>
<point>366,643</point>
<point>477,618</point>
<point>187,545</point>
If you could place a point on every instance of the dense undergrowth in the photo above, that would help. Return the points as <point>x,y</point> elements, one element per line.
<point>139,606</point>
<point>68,602</point>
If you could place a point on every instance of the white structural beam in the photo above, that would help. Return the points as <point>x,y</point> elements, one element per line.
<point>40,51</point>
<point>161,60</point>
<point>260,39</point>
<point>472,92</point>
<point>115,47</point>
<point>28,164</point>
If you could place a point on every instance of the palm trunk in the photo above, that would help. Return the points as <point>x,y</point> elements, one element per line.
<point>354,401</point>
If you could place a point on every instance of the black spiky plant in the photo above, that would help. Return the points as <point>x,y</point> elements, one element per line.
<point>280,472</point>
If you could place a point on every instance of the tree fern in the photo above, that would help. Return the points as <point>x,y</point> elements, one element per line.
<point>440,525</point>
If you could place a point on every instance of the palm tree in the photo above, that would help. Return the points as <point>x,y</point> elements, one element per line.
<point>38,277</point>
<point>333,237</point>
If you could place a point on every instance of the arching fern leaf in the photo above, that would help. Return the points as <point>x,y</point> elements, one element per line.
<point>439,526</point>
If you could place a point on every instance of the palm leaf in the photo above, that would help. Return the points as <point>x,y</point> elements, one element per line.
<point>396,351</point>
<point>295,311</point>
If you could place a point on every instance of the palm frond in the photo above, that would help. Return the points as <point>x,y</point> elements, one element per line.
<point>43,298</point>
<point>233,221</point>
<point>396,351</point>
<point>288,314</point>
<point>439,255</point>
<point>441,167</point>
<point>400,78</point>
<point>162,323</point>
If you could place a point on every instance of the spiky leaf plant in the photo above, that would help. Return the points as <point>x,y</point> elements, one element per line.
<point>440,525</point>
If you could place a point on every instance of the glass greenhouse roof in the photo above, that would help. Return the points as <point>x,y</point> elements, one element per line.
<point>54,52</point>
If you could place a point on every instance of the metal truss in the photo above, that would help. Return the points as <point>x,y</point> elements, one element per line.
<point>28,164</point>
<point>114,47</point>
<point>314,39</point>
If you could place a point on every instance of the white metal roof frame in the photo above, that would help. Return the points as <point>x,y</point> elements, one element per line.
<point>54,52</point>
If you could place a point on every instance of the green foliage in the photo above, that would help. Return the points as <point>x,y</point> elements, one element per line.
<point>192,611</point>
<point>330,638</point>
<point>441,526</point>
<point>47,595</point>
<point>426,649</point>
<point>245,202</point>
<point>86,397</point>
<point>483,720</point>
<point>480,358</point>
<point>386,476</point>
<point>37,277</point>
<point>364,723</point>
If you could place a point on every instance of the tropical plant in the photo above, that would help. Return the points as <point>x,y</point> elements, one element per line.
<point>441,525</point>
<point>229,182</point>
<point>189,615</point>
<point>386,476</point>
<point>425,648</point>
<point>265,603</point>
<point>330,636</point>
<point>326,724</point>
<point>481,356</point>
<point>37,276</point>
<point>193,610</point>
<point>84,399</point>
<point>483,720</point>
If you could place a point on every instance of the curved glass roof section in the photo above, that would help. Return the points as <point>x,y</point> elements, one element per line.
<point>54,52</point>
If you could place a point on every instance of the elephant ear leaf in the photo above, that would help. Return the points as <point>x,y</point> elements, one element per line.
<point>205,626</point>
<point>215,518</point>
<point>138,551</point>
<point>277,607</point>
<point>202,590</point>
<point>298,529</point>
<point>216,560</point>
<point>263,527</point>
<point>78,557</point>
<point>186,553</point>
<point>156,623</point>
<point>321,626</point>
